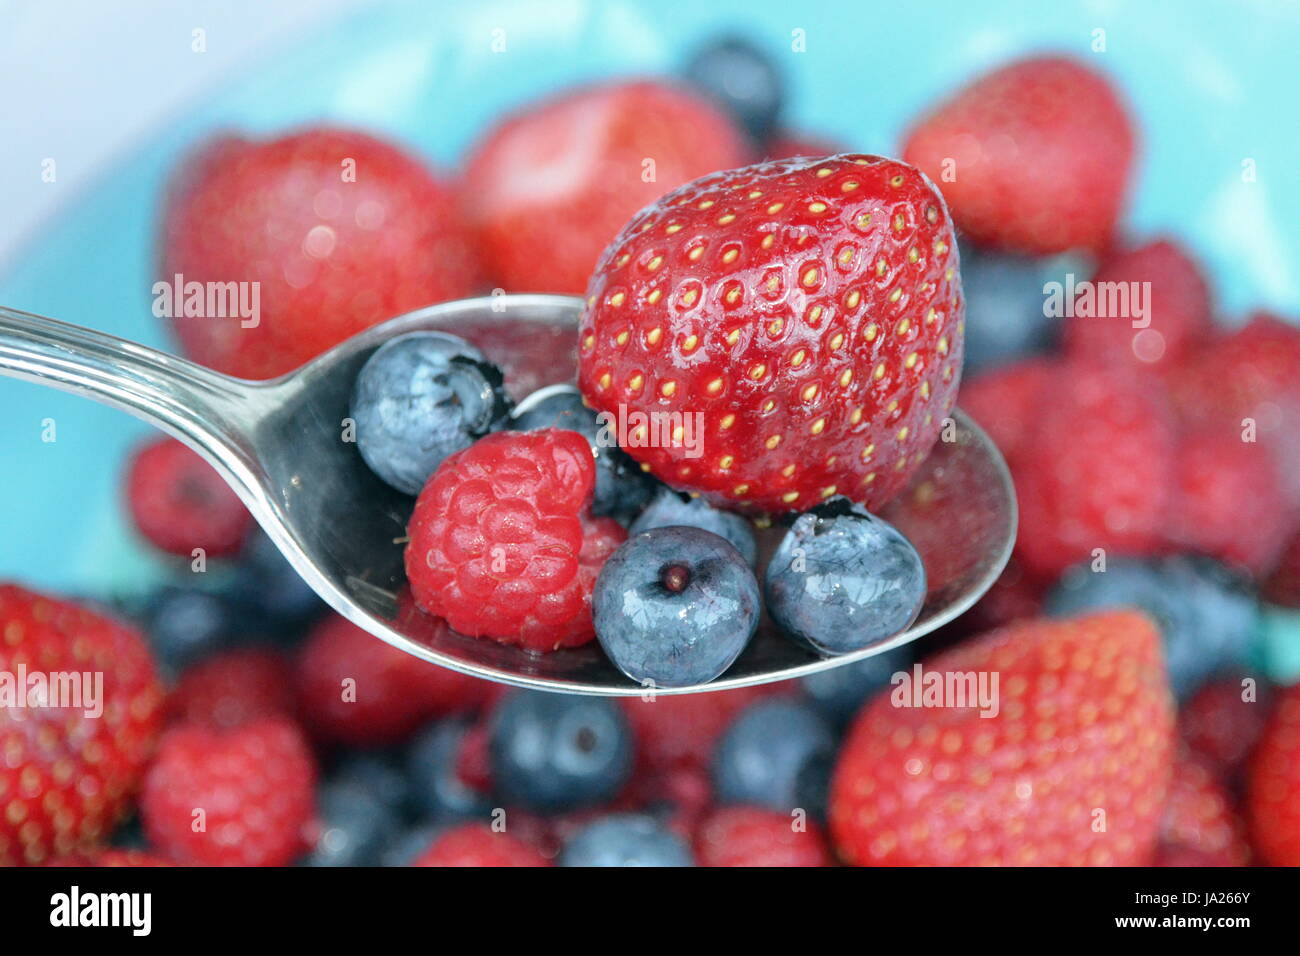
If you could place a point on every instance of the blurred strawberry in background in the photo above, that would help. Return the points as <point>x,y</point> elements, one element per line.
<point>1033,157</point>
<point>341,230</point>
<point>550,186</point>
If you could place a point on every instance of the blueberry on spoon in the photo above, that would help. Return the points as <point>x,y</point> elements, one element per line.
<point>674,508</point>
<point>843,579</point>
<point>419,398</point>
<point>675,606</point>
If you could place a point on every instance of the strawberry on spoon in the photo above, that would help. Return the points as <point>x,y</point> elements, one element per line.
<point>805,314</point>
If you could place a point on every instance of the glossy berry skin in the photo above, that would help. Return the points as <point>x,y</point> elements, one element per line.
<point>340,229</point>
<point>234,687</point>
<point>179,502</point>
<point>554,752</point>
<point>501,544</point>
<point>352,688</point>
<point>549,185</point>
<point>1097,470</point>
<point>675,606</point>
<point>67,776</point>
<point>625,839</point>
<point>1273,790</point>
<point>1005,318</point>
<point>1207,613</point>
<point>843,579</point>
<point>1085,722</point>
<point>254,784</point>
<point>1178,309</point>
<point>742,80</point>
<point>621,486</point>
<point>477,844</point>
<point>776,754</point>
<point>670,508</point>
<point>419,398</point>
<point>1039,155</point>
<point>810,310</point>
<point>753,836</point>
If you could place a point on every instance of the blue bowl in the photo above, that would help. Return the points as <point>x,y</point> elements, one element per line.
<point>1212,84</point>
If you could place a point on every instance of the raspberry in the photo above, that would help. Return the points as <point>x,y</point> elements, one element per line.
<point>254,785</point>
<point>179,503</point>
<point>353,688</point>
<point>752,836</point>
<point>233,688</point>
<point>501,542</point>
<point>477,844</point>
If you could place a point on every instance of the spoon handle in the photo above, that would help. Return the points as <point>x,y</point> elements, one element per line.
<point>211,412</point>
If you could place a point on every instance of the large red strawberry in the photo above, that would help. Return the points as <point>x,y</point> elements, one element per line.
<point>1096,470</point>
<point>503,545</point>
<point>1164,283</point>
<point>1230,501</point>
<point>550,186</point>
<point>241,796</point>
<point>1071,770</point>
<point>1200,826</point>
<point>1273,795</point>
<point>805,314</point>
<point>353,688</point>
<point>338,229</point>
<point>1247,384</point>
<point>1035,156</point>
<point>71,749</point>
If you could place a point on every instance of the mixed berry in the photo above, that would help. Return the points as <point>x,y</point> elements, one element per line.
<point>798,314</point>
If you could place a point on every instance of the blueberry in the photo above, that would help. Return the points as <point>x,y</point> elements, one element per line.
<point>1005,315</point>
<point>622,488</point>
<point>675,606</point>
<point>673,508</point>
<point>377,772</point>
<point>843,579</point>
<point>625,839</point>
<point>777,753</point>
<point>742,80</point>
<point>553,752</point>
<point>187,624</point>
<point>436,790</point>
<point>267,583</point>
<point>355,826</point>
<point>1208,614</point>
<point>422,397</point>
<point>839,693</point>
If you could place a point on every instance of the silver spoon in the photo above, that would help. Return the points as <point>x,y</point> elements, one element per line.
<point>279,444</point>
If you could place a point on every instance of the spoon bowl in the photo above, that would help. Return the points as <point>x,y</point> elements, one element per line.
<point>281,445</point>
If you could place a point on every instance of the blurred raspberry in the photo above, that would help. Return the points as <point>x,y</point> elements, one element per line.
<point>752,836</point>
<point>180,503</point>
<point>233,688</point>
<point>1199,826</point>
<point>1220,727</point>
<point>477,844</point>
